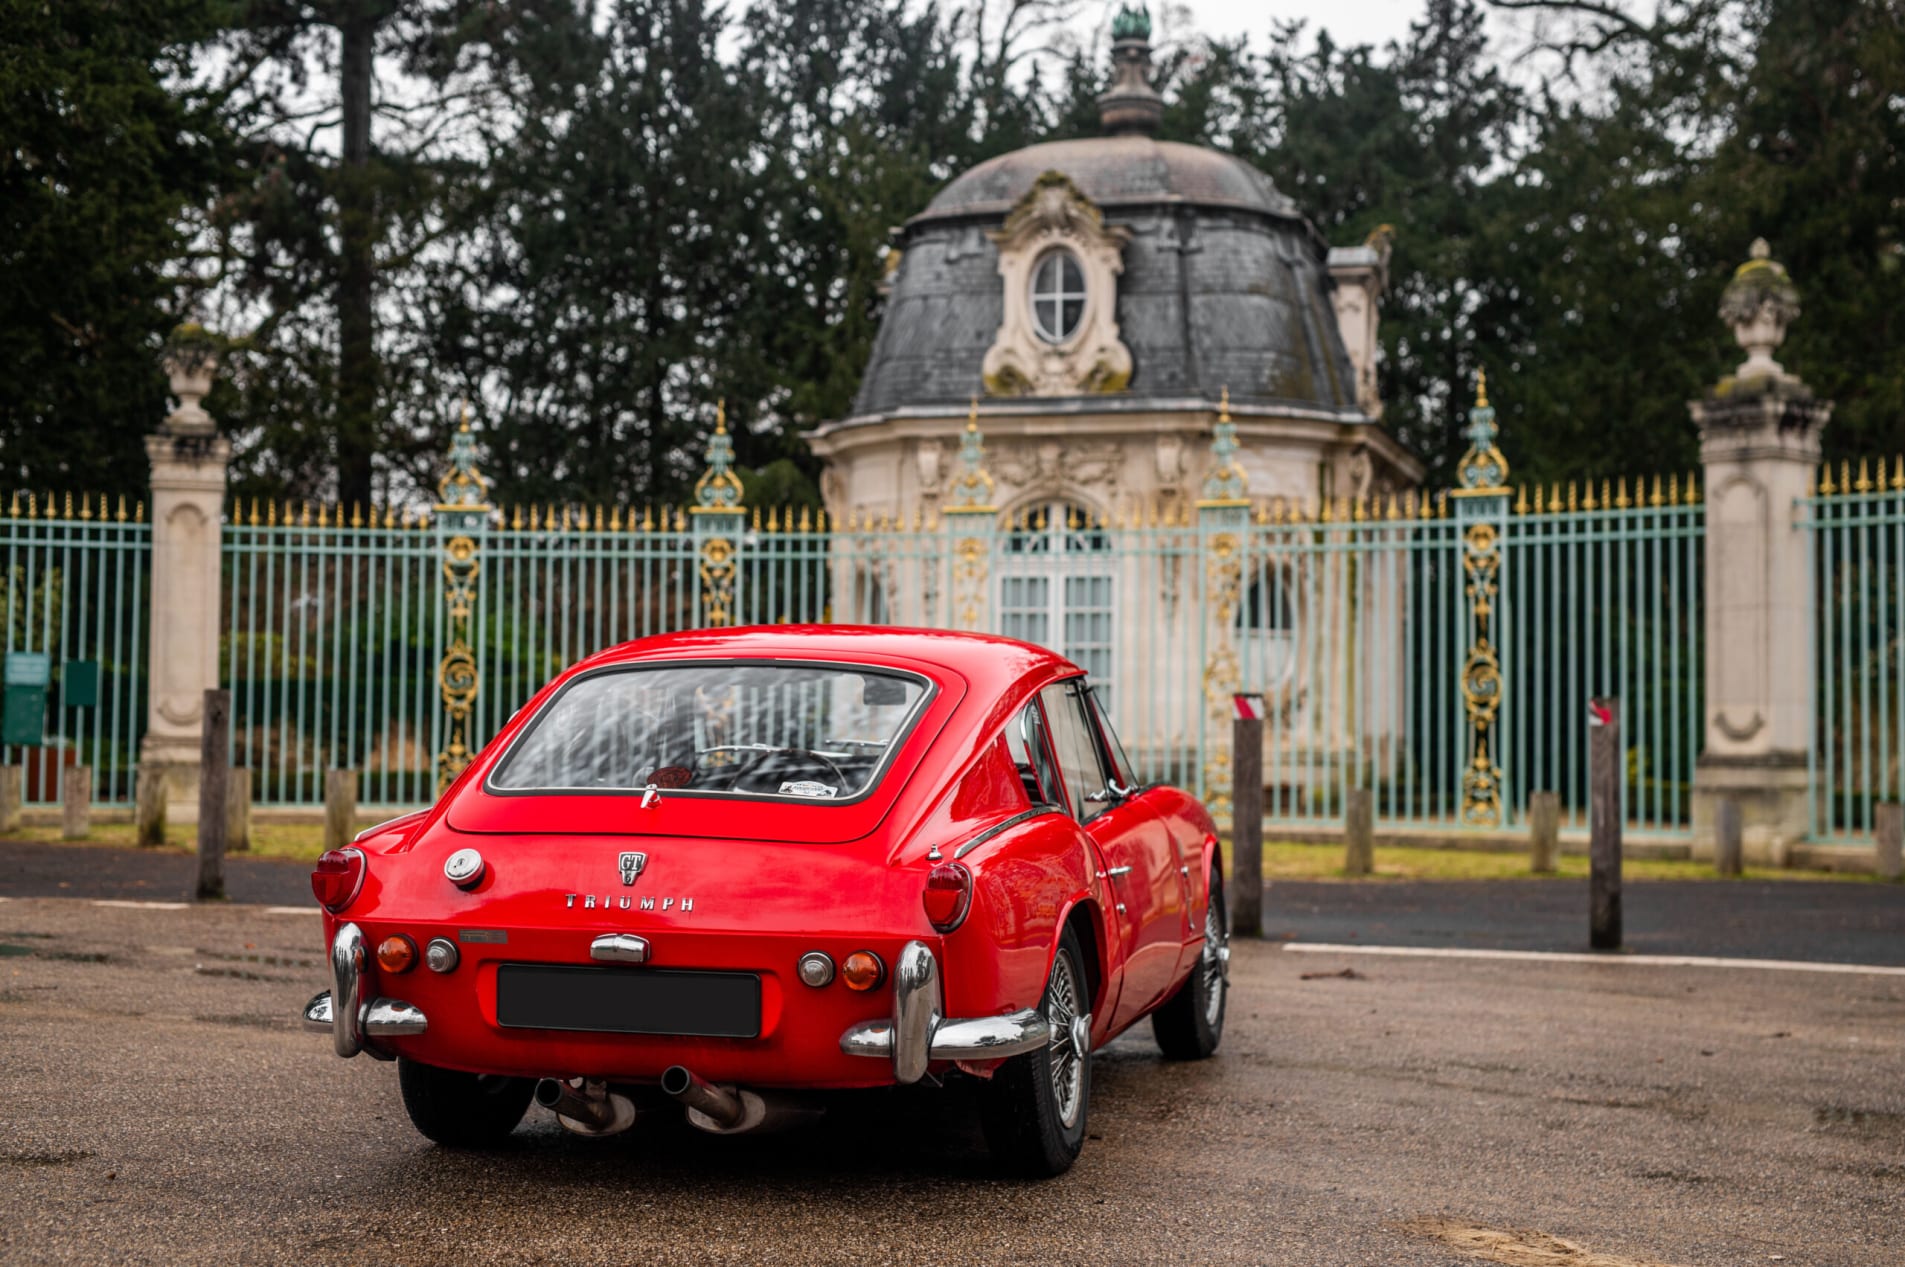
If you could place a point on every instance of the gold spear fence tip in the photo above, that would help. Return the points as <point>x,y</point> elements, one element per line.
<point>972,414</point>
<point>138,511</point>
<point>1481,388</point>
<point>1588,503</point>
<point>1693,487</point>
<point>1223,404</point>
<point>464,409</point>
<point>1865,477</point>
<point>721,416</point>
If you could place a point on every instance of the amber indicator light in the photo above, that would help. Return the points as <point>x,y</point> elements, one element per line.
<point>862,970</point>
<point>396,953</point>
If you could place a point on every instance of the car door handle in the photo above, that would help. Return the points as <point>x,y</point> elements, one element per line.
<point>1118,871</point>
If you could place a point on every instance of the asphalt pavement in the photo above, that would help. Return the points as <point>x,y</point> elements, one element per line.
<point>158,1104</point>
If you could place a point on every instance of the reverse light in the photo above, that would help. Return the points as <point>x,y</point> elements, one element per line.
<point>862,970</point>
<point>396,953</point>
<point>816,969</point>
<point>948,896</point>
<point>338,876</point>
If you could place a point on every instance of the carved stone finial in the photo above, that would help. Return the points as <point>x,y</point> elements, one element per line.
<point>1131,104</point>
<point>1759,303</point>
<point>719,488</point>
<point>191,362</point>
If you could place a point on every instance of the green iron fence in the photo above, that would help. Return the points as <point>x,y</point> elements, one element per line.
<point>76,587</point>
<point>1856,523</point>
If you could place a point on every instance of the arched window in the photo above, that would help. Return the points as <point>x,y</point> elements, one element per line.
<point>1056,528</point>
<point>1266,628</point>
<point>1058,295</point>
<point>1057,583</point>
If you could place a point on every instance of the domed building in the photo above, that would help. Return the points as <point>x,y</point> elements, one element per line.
<point>1098,297</point>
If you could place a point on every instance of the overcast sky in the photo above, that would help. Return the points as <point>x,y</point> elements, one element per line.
<point>1349,21</point>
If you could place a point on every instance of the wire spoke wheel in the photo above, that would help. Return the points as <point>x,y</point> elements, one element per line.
<point>1216,956</point>
<point>1067,1062</point>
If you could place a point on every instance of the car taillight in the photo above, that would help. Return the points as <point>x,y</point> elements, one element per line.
<point>338,876</point>
<point>948,896</point>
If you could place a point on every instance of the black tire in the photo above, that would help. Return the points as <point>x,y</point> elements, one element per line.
<point>1033,1129</point>
<point>1190,1024</point>
<point>462,1110</point>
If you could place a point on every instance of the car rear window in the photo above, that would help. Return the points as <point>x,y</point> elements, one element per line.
<point>796,731</point>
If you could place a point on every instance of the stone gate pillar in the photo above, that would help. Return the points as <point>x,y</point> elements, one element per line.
<point>188,459</point>
<point>1759,442</point>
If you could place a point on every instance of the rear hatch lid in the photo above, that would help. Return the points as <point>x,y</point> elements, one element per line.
<point>683,815</point>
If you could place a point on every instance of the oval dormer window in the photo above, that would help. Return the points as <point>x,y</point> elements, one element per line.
<point>1058,296</point>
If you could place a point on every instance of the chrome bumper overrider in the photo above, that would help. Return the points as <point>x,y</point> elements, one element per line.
<point>918,1034</point>
<point>341,1010</point>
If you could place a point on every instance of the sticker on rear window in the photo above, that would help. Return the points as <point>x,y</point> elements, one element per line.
<point>807,787</point>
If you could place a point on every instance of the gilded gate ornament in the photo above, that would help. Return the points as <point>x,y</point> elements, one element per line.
<point>968,516</point>
<point>718,519</point>
<point>1223,516</point>
<point>462,513</point>
<point>1484,493</point>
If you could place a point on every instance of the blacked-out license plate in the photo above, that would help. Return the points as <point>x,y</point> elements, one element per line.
<point>629,1000</point>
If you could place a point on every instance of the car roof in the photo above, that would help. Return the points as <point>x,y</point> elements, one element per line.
<point>986,661</point>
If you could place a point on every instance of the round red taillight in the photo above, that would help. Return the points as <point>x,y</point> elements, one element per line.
<point>948,896</point>
<point>338,876</point>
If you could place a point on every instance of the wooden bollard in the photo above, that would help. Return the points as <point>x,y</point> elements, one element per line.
<point>238,811</point>
<point>1890,825</point>
<point>149,806</point>
<point>340,807</point>
<point>1246,826</point>
<point>1359,832</point>
<point>12,793</point>
<point>76,802</point>
<point>1728,843</point>
<point>1604,824</point>
<point>214,774</point>
<point>1544,832</point>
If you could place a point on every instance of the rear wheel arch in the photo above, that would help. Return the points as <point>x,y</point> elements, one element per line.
<point>1087,922</point>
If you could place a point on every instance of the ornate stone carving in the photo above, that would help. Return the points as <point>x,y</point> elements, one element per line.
<point>1053,214</point>
<point>1759,303</point>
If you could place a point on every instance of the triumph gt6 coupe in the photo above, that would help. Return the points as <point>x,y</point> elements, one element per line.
<point>746,865</point>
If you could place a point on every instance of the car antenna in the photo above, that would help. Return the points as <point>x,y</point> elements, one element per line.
<point>651,796</point>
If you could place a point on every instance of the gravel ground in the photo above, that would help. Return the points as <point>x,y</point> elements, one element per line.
<point>158,1105</point>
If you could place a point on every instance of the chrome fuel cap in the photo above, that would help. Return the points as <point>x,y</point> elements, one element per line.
<point>463,868</point>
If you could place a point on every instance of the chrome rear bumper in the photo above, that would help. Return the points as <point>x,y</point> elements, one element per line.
<point>341,1011</point>
<point>919,1034</point>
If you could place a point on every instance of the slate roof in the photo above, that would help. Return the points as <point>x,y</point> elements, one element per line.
<point>1224,283</point>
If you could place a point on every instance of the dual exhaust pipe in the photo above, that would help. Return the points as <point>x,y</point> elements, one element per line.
<point>592,1109</point>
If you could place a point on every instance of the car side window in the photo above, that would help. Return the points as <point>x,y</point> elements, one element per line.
<point>1127,774</point>
<point>1026,740</point>
<point>1078,758</point>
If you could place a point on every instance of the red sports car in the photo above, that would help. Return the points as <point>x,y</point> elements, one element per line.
<point>744,865</point>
